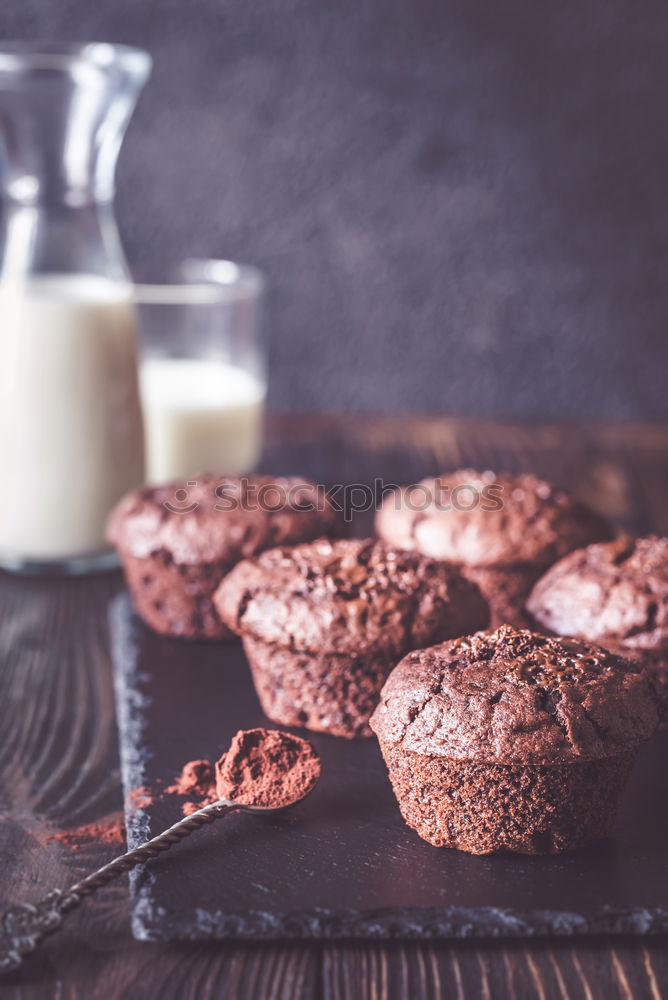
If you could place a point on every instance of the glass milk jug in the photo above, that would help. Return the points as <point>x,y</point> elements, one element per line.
<point>71,440</point>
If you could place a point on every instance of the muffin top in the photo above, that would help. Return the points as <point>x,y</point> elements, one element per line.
<point>348,597</point>
<point>484,519</point>
<point>218,519</point>
<point>515,697</point>
<point>614,593</point>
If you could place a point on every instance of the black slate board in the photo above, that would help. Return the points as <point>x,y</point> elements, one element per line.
<point>343,864</point>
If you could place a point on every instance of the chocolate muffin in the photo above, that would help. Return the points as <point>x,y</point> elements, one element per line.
<point>324,623</point>
<point>504,531</point>
<point>177,541</point>
<point>615,594</point>
<point>512,741</point>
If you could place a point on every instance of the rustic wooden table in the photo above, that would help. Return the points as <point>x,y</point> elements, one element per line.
<point>59,755</point>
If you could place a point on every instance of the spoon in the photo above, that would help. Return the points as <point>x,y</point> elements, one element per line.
<point>23,927</point>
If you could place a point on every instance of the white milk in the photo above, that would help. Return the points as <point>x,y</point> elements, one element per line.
<point>200,415</point>
<point>71,438</point>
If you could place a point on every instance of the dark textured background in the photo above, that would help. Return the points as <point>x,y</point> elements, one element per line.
<point>461,206</point>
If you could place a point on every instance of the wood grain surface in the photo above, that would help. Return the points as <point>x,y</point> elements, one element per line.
<point>59,755</point>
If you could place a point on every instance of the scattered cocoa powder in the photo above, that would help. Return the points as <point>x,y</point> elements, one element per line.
<point>140,797</point>
<point>110,830</point>
<point>266,767</point>
<point>263,767</point>
<point>196,780</point>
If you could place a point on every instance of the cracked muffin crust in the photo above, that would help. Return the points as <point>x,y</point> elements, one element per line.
<point>177,541</point>
<point>503,530</point>
<point>510,740</point>
<point>324,623</point>
<point>615,594</point>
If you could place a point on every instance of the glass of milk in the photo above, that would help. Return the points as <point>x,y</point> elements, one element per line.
<point>202,371</point>
<point>71,430</point>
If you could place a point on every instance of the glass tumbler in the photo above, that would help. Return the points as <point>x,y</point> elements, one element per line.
<point>202,371</point>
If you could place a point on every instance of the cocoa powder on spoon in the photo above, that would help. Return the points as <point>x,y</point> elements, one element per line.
<point>263,767</point>
<point>266,767</point>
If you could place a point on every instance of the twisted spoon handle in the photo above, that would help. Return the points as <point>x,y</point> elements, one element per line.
<point>23,927</point>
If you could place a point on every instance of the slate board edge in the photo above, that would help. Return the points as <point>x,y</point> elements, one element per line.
<point>442,923</point>
<point>150,922</point>
<point>130,703</point>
